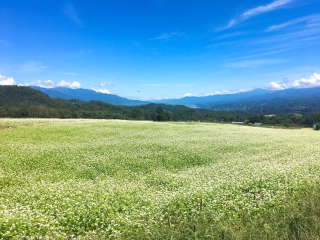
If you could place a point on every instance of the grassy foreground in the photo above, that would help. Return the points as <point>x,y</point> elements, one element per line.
<point>99,179</point>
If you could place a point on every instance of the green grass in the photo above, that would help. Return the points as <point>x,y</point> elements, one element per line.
<point>99,179</point>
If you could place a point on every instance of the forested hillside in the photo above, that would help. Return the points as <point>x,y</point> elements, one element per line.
<point>87,95</point>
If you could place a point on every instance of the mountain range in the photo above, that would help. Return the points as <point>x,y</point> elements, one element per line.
<point>87,95</point>
<point>303,100</point>
<point>249,96</point>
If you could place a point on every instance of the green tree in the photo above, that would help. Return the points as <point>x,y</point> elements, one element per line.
<point>254,118</point>
<point>159,110</point>
<point>160,115</point>
<point>136,113</point>
<point>24,112</point>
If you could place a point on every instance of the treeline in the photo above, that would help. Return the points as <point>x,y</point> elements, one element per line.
<point>101,110</point>
<point>25,102</point>
<point>294,120</point>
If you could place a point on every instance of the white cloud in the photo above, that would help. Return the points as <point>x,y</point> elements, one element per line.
<point>266,8</point>
<point>311,19</point>
<point>6,80</point>
<point>31,66</point>
<point>313,81</point>
<point>52,84</point>
<point>275,86</point>
<point>190,95</point>
<point>214,93</point>
<point>102,91</point>
<point>257,11</point>
<point>73,84</point>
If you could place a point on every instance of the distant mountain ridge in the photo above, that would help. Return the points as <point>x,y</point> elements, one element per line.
<point>289,101</point>
<point>261,100</point>
<point>87,95</point>
<point>250,96</point>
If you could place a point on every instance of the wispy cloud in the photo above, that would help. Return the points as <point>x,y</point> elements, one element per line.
<point>311,19</point>
<point>283,41</point>
<point>31,66</point>
<point>313,81</point>
<point>70,11</point>
<point>266,8</point>
<point>294,36</point>
<point>221,92</point>
<point>280,43</point>
<point>256,63</point>
<point>257,11</point>
<point>265,52</point>
<point>6,80</point>
<point>52,84</point>
<point>169,36</point>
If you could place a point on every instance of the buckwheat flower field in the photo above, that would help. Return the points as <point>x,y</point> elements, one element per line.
<point>101,179</point>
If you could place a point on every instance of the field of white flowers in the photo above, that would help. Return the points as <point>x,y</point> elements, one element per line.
<point>100,179</point>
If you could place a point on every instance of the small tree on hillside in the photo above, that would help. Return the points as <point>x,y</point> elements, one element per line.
<point>160,115</point>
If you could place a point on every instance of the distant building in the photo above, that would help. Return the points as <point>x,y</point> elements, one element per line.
<point>238,122</point>
<point>257,124</point>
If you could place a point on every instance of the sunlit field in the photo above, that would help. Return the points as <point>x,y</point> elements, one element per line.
<point>100,179</point>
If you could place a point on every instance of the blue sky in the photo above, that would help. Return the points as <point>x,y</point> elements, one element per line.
<point>153,49</point>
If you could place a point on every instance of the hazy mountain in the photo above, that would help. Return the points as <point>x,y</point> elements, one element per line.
<point>211,102</point>
<point>252,100</point>
<point>87,95</point>
<point>215,99</point>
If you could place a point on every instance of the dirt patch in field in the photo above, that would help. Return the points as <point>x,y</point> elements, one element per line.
<point>5,127</point>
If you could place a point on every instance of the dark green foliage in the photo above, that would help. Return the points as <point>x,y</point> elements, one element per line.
<point>313,118</point>
<point>21,96</point>
<point>254,118</point>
